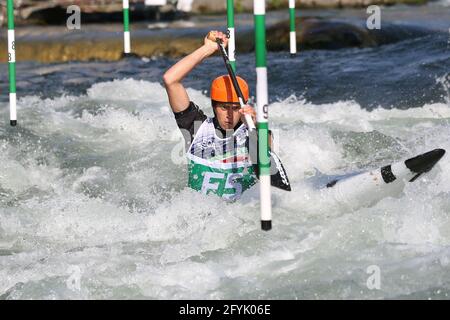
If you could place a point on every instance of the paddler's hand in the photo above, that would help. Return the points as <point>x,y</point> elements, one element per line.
<point>210,40</point>
<point>247,109</point>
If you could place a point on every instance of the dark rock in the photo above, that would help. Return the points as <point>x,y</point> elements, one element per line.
<point>316,33</point>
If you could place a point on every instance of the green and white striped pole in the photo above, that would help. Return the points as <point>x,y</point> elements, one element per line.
<point>231,34</point>
<point>126,28</point>
<point>12,64</point>
<point>262,100</point>
<point>292,33</point>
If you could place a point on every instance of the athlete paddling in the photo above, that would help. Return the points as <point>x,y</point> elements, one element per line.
<point>217,148</point>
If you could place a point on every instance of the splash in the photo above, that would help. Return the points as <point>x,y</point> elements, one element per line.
<point>89,196</point>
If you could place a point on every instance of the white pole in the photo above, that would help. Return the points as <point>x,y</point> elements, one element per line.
<point>12,65</point>
<point>292,33</point>
<point>262,101</point>
<point>231,34</point>
<point>126,28</point>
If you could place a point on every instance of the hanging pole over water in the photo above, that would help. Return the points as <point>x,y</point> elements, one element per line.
<point>262,100</point>
<point>12,64</point>
<point>126,28</point>
<point>292,33</point>
<point>231,34</point>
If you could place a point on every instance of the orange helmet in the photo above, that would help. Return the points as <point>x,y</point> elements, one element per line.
<point>222,89</point>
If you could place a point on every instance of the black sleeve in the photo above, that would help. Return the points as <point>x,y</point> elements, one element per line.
<point>189,121</point>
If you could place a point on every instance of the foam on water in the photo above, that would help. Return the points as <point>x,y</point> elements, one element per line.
<point>93,204</point>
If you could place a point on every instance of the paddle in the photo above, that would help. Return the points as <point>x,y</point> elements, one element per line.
<point>242,102</point>
<point>279,179</point>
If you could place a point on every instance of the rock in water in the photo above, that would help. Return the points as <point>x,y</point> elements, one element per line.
<point>318,33</point>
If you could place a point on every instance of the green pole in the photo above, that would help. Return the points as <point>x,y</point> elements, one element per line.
<point>292,33</point>
<point>231,34</point>
<point>262,101</point>
<point>12,65</point>
<point>126,28</point>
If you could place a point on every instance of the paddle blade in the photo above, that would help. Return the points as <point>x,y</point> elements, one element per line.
<point>279,179</point>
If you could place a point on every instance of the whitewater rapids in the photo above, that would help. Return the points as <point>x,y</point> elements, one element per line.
<point>94,204</point>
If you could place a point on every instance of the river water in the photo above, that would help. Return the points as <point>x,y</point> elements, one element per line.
<point>93,197</point>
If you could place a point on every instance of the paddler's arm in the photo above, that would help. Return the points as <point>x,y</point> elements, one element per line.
<point>178,96</point>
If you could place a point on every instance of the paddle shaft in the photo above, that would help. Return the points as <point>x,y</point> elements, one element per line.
<point>242,102</point>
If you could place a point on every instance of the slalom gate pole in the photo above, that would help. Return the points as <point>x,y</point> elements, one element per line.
<point>292,33</point>
<point>12,65</point>
<point>262,101</point>
<point>126,28</point>
<point>231,34</point>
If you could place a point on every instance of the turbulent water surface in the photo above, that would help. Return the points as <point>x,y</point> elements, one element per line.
<point>93,197</point>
